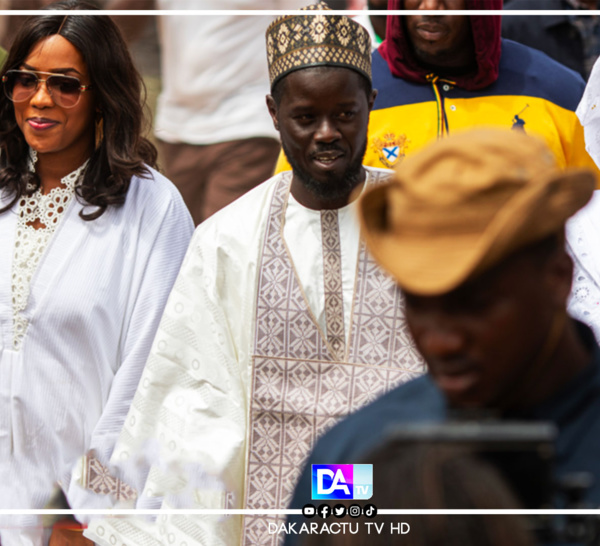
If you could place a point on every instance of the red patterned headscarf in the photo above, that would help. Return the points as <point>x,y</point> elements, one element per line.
<point>396,50</point>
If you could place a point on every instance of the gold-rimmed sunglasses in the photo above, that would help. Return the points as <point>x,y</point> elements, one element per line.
<point>21,85</point>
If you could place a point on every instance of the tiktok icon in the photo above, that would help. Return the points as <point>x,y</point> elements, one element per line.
<point>370,510</point>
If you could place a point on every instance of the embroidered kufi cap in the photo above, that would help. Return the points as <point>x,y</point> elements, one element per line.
<point>302,41</point>
<point>464,203</point>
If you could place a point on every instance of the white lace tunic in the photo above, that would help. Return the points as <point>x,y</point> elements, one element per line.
<point>30,242</point>
<point>93,304</point>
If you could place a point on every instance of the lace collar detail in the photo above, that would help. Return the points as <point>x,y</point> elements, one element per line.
<point>70,180</point>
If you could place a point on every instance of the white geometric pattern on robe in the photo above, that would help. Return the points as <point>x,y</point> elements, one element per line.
<point>298,389</point>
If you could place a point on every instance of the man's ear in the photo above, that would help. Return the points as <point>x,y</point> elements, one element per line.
<point>272,106</point>
<point>372,99</point>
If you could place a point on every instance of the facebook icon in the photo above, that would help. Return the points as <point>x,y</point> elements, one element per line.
<point>324,511</point>
<point>342,481</point>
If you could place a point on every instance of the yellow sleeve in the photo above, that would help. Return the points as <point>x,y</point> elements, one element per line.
<point>282,163</point>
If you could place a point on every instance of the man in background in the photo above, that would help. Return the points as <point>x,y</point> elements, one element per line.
<point>215,138</point>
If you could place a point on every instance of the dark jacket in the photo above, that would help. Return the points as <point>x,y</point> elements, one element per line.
<point>552,34</point>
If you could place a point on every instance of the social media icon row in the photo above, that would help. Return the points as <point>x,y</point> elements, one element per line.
<point>339,510</point>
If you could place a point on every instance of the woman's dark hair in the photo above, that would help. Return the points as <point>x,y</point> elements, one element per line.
<point>117,88</point>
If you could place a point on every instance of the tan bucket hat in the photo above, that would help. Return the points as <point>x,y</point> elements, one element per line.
<point>464,203</point>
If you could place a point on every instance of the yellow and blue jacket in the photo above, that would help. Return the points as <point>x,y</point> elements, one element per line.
<point>532,93</point>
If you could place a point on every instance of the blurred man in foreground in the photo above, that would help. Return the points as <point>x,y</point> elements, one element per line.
<point>472,229</point>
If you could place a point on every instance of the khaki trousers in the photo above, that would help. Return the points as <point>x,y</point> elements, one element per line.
<point>210,177</point>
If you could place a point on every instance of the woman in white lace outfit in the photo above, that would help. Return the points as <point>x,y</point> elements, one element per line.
<point>583,230</point>
<point>92,239</point>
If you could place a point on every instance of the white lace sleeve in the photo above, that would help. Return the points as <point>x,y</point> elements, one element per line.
<point>588,113</point>
<point>583,238</point>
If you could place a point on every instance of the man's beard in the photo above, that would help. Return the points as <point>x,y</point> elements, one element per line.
<point>334,187</point>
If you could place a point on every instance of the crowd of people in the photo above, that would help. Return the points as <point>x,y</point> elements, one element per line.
<point>384,238</point>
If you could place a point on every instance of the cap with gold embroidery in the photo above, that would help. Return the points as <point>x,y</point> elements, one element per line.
<point>302,41</point>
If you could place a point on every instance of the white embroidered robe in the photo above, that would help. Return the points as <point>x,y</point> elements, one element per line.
<point>192,408</point>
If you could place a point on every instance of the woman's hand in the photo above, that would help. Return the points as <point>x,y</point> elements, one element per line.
<point>68,532</point>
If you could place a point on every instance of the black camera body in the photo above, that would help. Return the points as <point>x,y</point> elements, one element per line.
<point>523,453</point>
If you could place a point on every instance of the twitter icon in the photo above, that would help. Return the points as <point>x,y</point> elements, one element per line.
<point>339,510</point>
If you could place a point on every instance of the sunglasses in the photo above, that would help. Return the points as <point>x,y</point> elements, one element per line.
<point>21,85</point>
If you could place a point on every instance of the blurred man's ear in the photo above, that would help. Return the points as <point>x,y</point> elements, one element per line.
<point>558,271</point>
<point>272,106</point>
